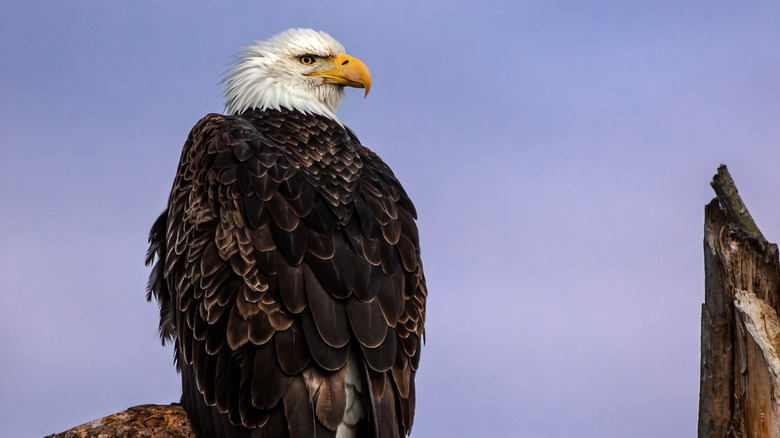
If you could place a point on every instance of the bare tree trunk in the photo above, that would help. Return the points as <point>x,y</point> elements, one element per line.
<point>740,331</point>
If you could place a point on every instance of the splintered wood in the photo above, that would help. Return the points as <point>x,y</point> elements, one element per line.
<point>740,330</point>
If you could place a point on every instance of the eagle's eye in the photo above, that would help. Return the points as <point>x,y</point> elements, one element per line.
<point>306,60</point>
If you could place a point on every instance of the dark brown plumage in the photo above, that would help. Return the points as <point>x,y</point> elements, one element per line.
<point>289,254</point>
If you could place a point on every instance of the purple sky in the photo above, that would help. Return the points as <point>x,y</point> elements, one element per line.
<point>559,156</point>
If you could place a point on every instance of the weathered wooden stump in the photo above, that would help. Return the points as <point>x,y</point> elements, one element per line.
<point>152,421</point>
<point>740,330</point>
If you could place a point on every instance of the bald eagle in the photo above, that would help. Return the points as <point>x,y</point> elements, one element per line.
<point>287,263</point>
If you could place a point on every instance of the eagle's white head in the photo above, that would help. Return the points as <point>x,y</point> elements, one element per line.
<point>298,69</point>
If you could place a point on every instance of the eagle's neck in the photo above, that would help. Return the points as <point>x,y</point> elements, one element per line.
<point>253,85</point>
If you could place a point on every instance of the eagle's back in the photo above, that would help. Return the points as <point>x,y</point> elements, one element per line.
<point>289,275</point>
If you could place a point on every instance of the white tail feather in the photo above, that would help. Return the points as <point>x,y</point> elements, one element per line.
<point>356,409</point>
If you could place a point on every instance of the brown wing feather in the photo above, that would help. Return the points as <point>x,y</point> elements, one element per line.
<point>287,247</point>
<point>403,293</point>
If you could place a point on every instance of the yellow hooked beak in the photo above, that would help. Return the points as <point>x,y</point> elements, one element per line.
<point>345,70</point>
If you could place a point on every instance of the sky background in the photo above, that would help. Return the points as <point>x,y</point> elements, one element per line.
<point>559,154</point>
